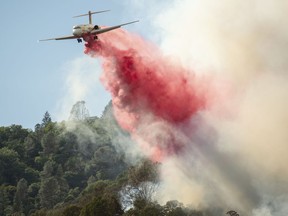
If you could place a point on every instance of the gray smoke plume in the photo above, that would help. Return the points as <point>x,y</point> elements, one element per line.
<point>237,157</point>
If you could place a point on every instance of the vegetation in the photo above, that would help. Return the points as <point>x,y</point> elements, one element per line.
<point>73,168</point>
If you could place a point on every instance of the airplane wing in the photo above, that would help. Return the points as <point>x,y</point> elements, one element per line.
<point>61,38</point>
<point>103,30</point>
<point>94,32</point>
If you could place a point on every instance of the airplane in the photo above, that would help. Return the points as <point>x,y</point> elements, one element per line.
<point>88,32</point>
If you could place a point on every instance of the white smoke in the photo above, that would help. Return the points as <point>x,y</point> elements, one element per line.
<point>238,161</point>
<point>81,77</point>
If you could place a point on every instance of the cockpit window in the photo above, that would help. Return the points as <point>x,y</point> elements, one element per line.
<point>76,27</point>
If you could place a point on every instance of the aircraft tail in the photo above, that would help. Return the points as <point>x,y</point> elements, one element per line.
<point>90,15</point>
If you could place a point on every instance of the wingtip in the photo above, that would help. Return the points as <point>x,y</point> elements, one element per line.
<point>46,39</point>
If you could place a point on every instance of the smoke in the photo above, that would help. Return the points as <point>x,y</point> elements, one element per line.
<point>81,83</point>
<point>245,44</point>
<point>216,113</point>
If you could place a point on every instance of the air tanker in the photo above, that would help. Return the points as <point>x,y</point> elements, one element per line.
<point>88,32</point>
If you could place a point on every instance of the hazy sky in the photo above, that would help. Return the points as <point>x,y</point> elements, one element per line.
<point>36,77</point>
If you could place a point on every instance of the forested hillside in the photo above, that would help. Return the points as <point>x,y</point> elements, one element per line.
<point>74,168</point>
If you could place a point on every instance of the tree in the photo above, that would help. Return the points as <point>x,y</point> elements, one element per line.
<point>46,119</point>
<point>47,170</point>
<point>5,203</point>
<point>13,138</point>
<point>67,147</point>
<point>107,205</point>
<point>150,208</point>
<point>143,181</point>
<point>33,147</point>
<point>10,166</point>
<point>106,163</point>
<point>174,208</point>
<point>79,112</point>
<point>72,211</point>
<point>49,143</point>
<point>75,170</point>
<point>63,185</point>
<point>14,132</point>
<point>37,128</point>
<point>20,198</point>
<point>48,193</point>
<point>49,188</point>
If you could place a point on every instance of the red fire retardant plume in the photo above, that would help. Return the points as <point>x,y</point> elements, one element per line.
<point>146,86</point>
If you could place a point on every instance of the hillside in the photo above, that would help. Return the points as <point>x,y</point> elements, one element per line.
<point>77,167</point>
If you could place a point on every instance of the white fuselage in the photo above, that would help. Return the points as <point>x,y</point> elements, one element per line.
<point>82,30</point>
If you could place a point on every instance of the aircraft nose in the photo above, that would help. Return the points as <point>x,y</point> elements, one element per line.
<point>77,32</point>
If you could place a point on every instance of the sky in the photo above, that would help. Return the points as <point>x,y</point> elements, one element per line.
<point>39,77</point>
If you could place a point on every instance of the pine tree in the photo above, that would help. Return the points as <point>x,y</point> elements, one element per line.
<point>20,196</point>
<point>4,201</point>
<point>63,185</point>
<point>46,119</point>
<point>49,188</point>
<point>79,111</point>
<point>48,193</point>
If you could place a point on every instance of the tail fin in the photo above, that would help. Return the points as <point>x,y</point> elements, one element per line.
<point>90,15</point>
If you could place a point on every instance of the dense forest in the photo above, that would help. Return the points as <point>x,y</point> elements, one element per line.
<point>77,167</point>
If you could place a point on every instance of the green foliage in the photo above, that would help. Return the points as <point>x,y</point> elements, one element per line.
<point>102,205</point>
<point>5,201</point>
<point>14,132</point>
<point>72,211</point>
<point>73,168</point>
<point>31,175</point>
<point>67,147</point>
<point>145,208</point>
<point>146,171</point>
<point>174,208</point>
<point>141,184</point>
<point>56,160</point>
<point>72,194</point>
<point>33,189</point>
<point>11,167</point>
<point>106,163</point>
<point>20,197</point>
<point>75,179</point>
<point>48,193</point>
<point>46,119</point>
<point>41,212</point>
<point>49,143</point>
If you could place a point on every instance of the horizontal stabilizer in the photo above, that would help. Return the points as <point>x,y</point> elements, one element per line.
<point>90,13</point>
